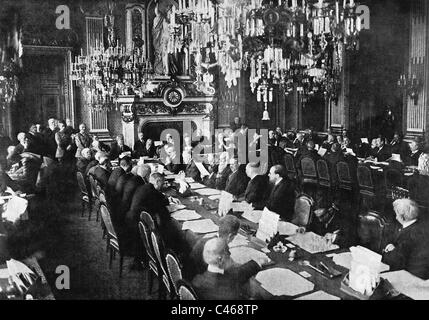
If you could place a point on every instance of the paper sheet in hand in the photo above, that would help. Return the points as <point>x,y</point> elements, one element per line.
<point>286,228</point>
<point>225,203</point>
<point>408,284</point>
<point>268,225</point>
<point>202,169</point>
<point>242,255</point>
<point>185,215</point>
<point>318,295</point>
<point>196,185</point>
<point>172,207</point>
<point>253,216</point>
<point>311,242</point>
<point>279,282</point>
<point>321,152</point>
<point>396,157</point>
<point>238,241</point>
<point>200,226</point>
<point>207,192</point>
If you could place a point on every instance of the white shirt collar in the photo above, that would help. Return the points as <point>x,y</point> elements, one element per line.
<point>408,223</point>
<point>215,269</point>
<point>278,181</point>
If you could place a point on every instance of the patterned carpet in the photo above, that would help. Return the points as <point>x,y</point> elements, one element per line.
<point>78,244</point>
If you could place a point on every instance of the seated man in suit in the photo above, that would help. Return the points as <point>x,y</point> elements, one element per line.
<point>332,158</point>
<point>228,229</point>
<point>29,170</point>
<point>256,191</point>
<point>84,160</point>
<point>118,148</point>
<point>237,181</point>
<point>218,283</point>
<point>418,183</point>
<point>383,152</point>
<point>149,149</point>
<point>327,144</point>
<point>172,161</point>
<point>410,250</point>
<point>282,197</point>
<point>415,152</point>
<point>308,152</point>
<point>116,196</point>
<point>333,225</point>
<point>102,172</point>
<point>139,146</point>
<point>124,167</point>
<point>90,169</point>
<point>223,171</point>
<point>399,146</point>
<point>210,180</point>
<point>191,169</point>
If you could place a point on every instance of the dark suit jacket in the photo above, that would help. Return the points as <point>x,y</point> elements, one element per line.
<point>282,199</point>
<point>114,176</point>
<point>138,148</point>
<point>127,194</point>
<point>345,235</point>
<point>192,171</point>
<point>236,183</point>
<point>102,176</point>
<point>332,159</point>
<point>221,180</point>
<point>402,148</point>
<point>227,286</point>
<point>27,174</point>
<point>116,150</point>
<point>93,163</point>
<point>413,159</point>
<point>384,153</point>
<point>256,191</point>
<point>82,164</point>
<point>418,185</point>
<point>411,251</point>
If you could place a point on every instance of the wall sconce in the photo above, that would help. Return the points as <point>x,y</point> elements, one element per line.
<point>411,86</point>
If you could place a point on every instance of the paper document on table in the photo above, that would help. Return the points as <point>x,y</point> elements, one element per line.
<point>321,152</point>
<point>214,197</point>
<point>350,151</point>
<point>311,242</point>
<point>225,203</point>
<point>158,143</point>
<point>408,284</point>
<point>364,140</point>
<point>172,207</point>
<point>196,185</point>
<point>200,226</point>
<point>286,228</point>
<point>189,180</point>
<point>210,235</point>
<point>203,171</point>
<point>185,215</point>
<point>268,225</point>
<point>207,192</point>
<point>253,216</point>
<point>242,255</point>
<point>396,157</point>
<point>283,282</point>
<point>238,241</point>
<point>318,295</point>
<point>344,259</point>
<point>241,206</point>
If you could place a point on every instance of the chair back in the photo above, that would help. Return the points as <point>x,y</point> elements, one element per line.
<point>147,244</point>
<point>107,220</point>
<point>392,178</point>
<point>344,176</point>
<point>185,291</point>
<point>158,248</point>
<point>400,193</point>
<point>303,210</point>
<point>323,173</point>
<point>174,270</point>
<point>93,183</point>
<point>148,220</point>
<point>364,178</point>
<point>309,172</point>
<point>81,183</point>
<point>289,164</point>
<point>371,230</point>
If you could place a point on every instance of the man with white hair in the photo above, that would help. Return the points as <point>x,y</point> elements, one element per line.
<point>223,171</point>
<point>84,160</point>
<point>49,137</point>
<point>218,283</point>
<point>410,250</point>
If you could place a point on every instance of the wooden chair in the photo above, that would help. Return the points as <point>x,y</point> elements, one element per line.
<point>344,176</point>
<point>174,271</point>
<point>158,248</point>
<point>303,211</point>
<point>289,164</point>
<point>309,172</point>
<point>94,191</point>
<point>366,185</point>
<point>113,245</point>
<point>185,290</point>
<point>84,194</point>
<point>371,228</point>
<point>323,173</point>
<point>146,225</point>
<point>392,178</point>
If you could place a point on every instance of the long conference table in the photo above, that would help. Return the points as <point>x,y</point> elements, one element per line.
<point>324,287</point>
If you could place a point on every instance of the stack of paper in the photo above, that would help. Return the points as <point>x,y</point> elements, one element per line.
<point>172,207</point>
<point>253,216</point>
<point>283,282</point>
<point>345,259</point>
<point>408,284</point>
<point>287,228</point>
<point>200,226</point>
<point>196,185</point>
<point>311,242</point>
<point>185,215</point>
<point>207,192</point>
<point>268,225</point>
<point>318,295</point>
<point>242,255</point>
<point>238,241</point>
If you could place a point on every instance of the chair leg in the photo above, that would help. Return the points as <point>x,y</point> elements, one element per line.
<point>121,263</point>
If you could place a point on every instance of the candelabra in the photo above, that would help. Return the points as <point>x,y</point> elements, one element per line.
<point>411,85</point>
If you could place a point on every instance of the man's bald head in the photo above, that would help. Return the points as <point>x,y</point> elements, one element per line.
<point>214,251</point>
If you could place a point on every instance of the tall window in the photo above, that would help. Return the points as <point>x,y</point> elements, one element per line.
<point>94,33</point>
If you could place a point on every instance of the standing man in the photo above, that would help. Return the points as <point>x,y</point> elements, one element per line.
<point>63,141</point>
<point>139,146</point>
<point>82,140</point>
